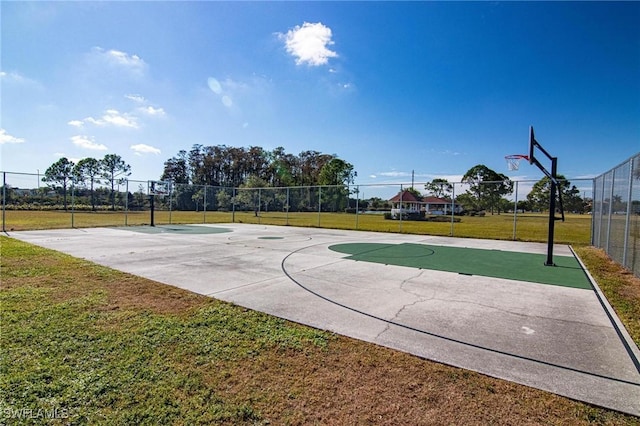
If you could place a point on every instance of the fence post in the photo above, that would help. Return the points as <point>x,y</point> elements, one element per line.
<point>627,230</point>
<point>4,199</point>
<point>287,206</point>
<point>613,184</point>
<point>319,204</point>
<point>593,213</point>
<point>204,213</point>
<point>400,223</point>
<point>357,203</point>
<point>73,204</point>
<point>600,217</point>
<point>170,202</point>
<point>601,243</point>
<point>453,207</point>
<point>515,212</point>
<point>259,211</point>
<point>126,202</point>
<point>233,205</point>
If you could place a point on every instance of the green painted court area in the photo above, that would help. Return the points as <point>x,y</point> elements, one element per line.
<point>175,229</point>
<point>469,261</point>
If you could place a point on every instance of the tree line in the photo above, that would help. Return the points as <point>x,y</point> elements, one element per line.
<point>487,190</point>
<point>228,166</point>
<point>88,172</point>
<point>220,166</point>
<point>254,167</point>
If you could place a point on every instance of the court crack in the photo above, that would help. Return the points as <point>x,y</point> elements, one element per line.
<point>420,299</point>
<point>520,314</point>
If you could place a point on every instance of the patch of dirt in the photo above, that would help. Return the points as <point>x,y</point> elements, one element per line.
<point>133,292</point>
<point>352,382</point>
<point>80,278</point>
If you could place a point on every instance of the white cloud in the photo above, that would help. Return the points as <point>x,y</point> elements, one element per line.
<point>115,118</point>
<point>394,174</point>
<point>144,107</point>
<point>76,123</point>
<point>74,160</point>
<point>87,142</point>
<point>234,86</point>
<point>119,59</point>
<point>136,98</point>
<point>7,138</point>
<point>141,148</point>
<point>451,178</point>
<point>155,112</point>
<point>309,44</point>
<point>14,77</point>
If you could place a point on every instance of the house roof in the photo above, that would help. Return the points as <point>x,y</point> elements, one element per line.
<point>435,200</point>
<point>409,197</point>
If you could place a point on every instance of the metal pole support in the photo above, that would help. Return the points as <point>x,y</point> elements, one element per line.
<point>151,201</point>
<point>552,212</point>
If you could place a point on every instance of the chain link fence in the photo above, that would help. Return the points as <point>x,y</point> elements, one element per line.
<point>616,213</point>
<point>454,209</point>
<point>478,210</point>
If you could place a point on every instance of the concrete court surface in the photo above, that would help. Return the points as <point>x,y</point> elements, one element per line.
<point>554,338</point>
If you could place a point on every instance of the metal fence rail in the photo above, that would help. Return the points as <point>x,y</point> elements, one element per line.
<point>616,213</point>
<point>613,198</point>
<point>28,203</point>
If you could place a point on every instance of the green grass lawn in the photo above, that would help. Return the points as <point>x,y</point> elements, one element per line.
<point>529,227</point>
<point>90,345</point>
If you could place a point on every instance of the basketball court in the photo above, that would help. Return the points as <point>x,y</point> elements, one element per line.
<point>483,305</point>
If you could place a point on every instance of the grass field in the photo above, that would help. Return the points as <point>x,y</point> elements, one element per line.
<point>529,227</point>
<point>89,345</point>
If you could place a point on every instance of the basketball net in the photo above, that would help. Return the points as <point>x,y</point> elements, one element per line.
<point>513,161</point>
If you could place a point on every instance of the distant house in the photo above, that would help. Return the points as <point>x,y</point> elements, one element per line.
<point>23,192</point>
<point>407,203</point>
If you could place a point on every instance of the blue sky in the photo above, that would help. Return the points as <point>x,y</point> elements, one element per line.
<point>391,87</point>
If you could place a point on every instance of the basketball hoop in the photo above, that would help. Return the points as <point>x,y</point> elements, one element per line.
<point>159,188</point>
<point>513,161</point>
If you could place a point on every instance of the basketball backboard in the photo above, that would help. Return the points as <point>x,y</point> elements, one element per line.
<point>532,142</point>
<point>158,187</point>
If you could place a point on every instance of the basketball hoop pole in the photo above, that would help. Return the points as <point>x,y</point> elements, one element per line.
<point>553,177</point>
<point>552,212</point>
<point>151,200</point>
<point>152,189</point>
